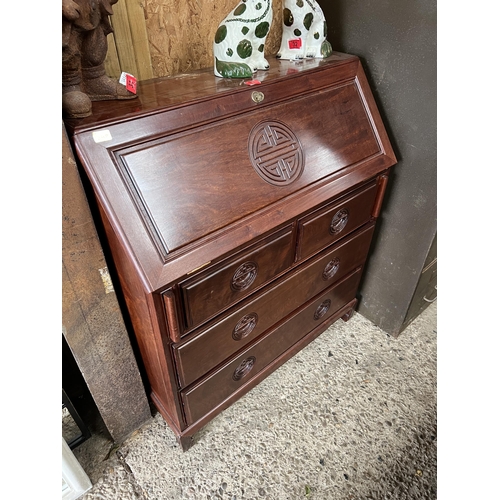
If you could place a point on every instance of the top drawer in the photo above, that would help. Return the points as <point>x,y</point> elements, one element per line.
<point>233,279</point>
<point>334,221</point>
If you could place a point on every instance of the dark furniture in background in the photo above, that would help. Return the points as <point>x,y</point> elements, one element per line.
<point>239,220</point>
<point>396,42</point>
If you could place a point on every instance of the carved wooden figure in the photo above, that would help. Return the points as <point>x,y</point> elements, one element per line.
<point>239,40</point>
<point>304,31</point>
<point>85,25</point>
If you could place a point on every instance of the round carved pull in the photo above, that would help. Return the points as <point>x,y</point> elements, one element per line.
<point>245,326</point>
<point>339,221</point>
<point>244,369</point>
<point>244,276</point>
<point>331,269</point>
<point>322,309</point>
<point>257,96</point>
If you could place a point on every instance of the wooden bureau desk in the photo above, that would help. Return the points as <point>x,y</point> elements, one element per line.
<point>239,219</point>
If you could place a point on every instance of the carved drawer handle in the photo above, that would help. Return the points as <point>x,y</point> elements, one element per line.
<point>244,368</point>
<point>244,276</point>
<point>245,326</point>
<point>322,309</point>
<point>331,269</point>
<point>257,97</point>
<point>339,221</point>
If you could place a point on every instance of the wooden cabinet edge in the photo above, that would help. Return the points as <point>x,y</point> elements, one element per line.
<point>381,187</point>
<point>170,311</point>
<point>142,312</point>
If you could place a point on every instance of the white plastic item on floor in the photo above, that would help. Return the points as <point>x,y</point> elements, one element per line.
<point>75,481</point>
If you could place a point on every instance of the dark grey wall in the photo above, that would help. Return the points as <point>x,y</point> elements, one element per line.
<point>396,42</point>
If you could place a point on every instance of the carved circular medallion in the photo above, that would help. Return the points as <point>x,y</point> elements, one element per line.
<point>331,269</point>
<point>244,276</point>
<point>244,368</point>
<point>339,221</point>
<point>276,153</point>
<point>322,309</point>
<point>245,326</point>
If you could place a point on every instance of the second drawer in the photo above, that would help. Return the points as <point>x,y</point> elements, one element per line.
<point>244,323</point>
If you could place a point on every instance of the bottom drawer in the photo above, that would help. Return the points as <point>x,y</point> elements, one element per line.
<point>219,385</point>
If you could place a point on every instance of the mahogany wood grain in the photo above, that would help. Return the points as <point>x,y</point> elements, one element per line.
<point>381,187</point>
<point>202,86</point>
<point>218,386</point>
<point>154,121</point>
<point>214,255</point>
<point>206,349</point>
<point>333,221</point>
<point>186,436</point>
<point>166,176</point>
<point>172,317</point>
<point>212,290</point>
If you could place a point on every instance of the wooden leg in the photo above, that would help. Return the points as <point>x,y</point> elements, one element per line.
<point>348,315</point>
<point>185,442</point>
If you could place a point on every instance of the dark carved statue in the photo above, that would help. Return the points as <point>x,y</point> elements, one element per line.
<point>85,25</point>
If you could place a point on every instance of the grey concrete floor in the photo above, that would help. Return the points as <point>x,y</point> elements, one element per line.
<point>352,416</point>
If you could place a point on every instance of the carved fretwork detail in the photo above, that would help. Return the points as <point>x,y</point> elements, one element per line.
<point>244,276</point>
<point>331,269</point>
<point>244,368</point>
<point>276,153</point>
<point>322,309</point>
<point>245,326</point>
<point>339,221</point>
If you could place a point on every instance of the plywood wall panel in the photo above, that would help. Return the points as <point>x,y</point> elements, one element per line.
<point>123,38</point>
<point>180,34</point>
<point>155,38</point>
<point>139,34</point>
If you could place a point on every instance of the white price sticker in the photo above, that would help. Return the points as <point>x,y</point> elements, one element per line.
<point>101,136</point>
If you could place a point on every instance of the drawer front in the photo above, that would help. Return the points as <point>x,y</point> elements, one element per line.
<point>322,228</point>
<point>234,279</point>
<point>221,384</point>
<point>245,323</point>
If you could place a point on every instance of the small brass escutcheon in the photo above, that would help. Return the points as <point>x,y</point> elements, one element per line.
<point>257,96</point>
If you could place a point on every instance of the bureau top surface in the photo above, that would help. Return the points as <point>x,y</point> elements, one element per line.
<point>155,95</point>
<point>197,166</point>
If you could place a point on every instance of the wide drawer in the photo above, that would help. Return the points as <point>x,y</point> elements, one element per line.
<point>244,323</point>
<point>223,382</point>
<point>334,221</point>
<point>233,279</point>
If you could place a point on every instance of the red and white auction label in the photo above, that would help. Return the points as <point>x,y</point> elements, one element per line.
<point>295,44</point>
<point>130,82</point>
<point>252,82</point>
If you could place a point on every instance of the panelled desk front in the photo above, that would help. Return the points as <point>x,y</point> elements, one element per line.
<point>239,219</point>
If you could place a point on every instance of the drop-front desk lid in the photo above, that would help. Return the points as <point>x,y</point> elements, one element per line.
<point>195,157</point>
